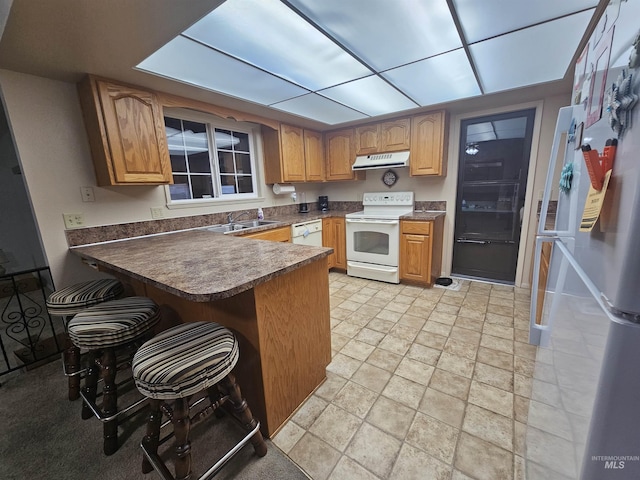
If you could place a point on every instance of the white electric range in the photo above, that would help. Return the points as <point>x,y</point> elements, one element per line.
<point>373,236</point>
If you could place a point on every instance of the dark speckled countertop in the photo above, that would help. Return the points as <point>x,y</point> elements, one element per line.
<point>201,266</point>
<point>424,216</point>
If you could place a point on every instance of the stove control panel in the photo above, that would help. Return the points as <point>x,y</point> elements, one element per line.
<point>387,198</point>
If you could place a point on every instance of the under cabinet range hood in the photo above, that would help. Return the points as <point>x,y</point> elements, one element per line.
<point>381,160</point>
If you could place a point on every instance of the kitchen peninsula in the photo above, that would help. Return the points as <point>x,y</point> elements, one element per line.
<point>274,296</point>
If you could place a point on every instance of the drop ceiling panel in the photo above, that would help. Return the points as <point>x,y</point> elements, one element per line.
<point>386,34</point>
<point>271,36</point>
<point>534,55</point>
<point>487,18</point>
<point>438,79</point>
<point>190,62</point>
<point>370,95</point>
<point>319,108</point>
<point>335,61</point>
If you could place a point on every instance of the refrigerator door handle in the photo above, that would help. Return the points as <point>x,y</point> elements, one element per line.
<point>565,115</point>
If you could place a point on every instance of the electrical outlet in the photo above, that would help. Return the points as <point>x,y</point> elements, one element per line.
<point>87,194</point>
<point>73,220</point>
<point>157,212</point>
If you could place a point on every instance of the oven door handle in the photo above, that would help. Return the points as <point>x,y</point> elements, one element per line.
<point>379,221</point>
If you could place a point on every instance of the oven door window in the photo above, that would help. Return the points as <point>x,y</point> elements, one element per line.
<point>371,242</point>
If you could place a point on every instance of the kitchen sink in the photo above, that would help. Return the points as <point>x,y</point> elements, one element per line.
<point>245,225</point>
<point>257,223</point>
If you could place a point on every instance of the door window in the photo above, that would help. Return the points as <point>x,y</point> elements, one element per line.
<point>492,178</point>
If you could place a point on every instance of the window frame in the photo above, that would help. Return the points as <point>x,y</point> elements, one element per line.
<point>255,153</point>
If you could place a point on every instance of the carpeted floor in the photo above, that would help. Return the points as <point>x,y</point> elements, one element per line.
<point>43,437</point>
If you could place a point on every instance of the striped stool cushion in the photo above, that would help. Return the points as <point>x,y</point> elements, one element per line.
<point>72,299</point>
<point>184,360</point>
<point>113,323</point>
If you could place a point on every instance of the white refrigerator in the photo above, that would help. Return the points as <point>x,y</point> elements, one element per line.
<point>584,411</point>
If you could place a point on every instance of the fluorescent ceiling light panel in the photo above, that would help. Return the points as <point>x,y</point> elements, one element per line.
<point>444,78</point>
<point>189,62</point>
<point>383,33</point>
<point>487,18</point>
<point>319,108</point>
<point>271,36</point>
<point>534,55</point>
<point>370,95</point>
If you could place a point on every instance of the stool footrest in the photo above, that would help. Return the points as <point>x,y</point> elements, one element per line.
<point>163,471</point>
<point>101,416</point>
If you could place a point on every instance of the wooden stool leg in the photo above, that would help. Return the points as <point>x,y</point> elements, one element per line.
<point>182,446</point>
<point>90,385</point>
<point>110,401</point>
<point>71,358</point>
<point>151,439</point>
<point>243,412</point>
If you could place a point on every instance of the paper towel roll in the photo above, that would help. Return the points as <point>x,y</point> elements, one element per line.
<point>283,189</point>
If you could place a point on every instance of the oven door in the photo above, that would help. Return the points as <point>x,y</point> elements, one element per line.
<point>373,241</point>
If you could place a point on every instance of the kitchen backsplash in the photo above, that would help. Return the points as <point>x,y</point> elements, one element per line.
<point>106,233</point>
<point>429,205</point>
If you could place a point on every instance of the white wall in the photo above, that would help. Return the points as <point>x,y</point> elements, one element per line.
<point>53,149</point>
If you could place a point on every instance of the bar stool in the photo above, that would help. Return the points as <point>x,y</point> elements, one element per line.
<point>177,364</point>
<point>125,322</point>
<point>71,300</point>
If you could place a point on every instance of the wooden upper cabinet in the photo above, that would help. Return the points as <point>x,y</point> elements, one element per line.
<point>313,156</point>
<point>292,150</point>
<point>292,154</point>
<point>367,139</point>
<point>395,135</point>
<point>341,153</point>
<point>391,136</point>
<point>429,139</point>
<point>126,134</point>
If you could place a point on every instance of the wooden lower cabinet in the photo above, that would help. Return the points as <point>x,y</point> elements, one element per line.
<point>421,251</point>
<point>334,236</point>
<point>282,234</point>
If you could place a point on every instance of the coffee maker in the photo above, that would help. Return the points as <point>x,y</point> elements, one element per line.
<point>323,203</point>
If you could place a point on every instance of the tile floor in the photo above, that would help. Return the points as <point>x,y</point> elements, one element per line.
<point>426,384</point>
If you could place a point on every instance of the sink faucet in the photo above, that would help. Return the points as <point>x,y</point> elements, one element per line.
<point>231,219</point>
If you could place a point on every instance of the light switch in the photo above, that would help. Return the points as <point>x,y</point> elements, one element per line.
<point>87,194</point>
